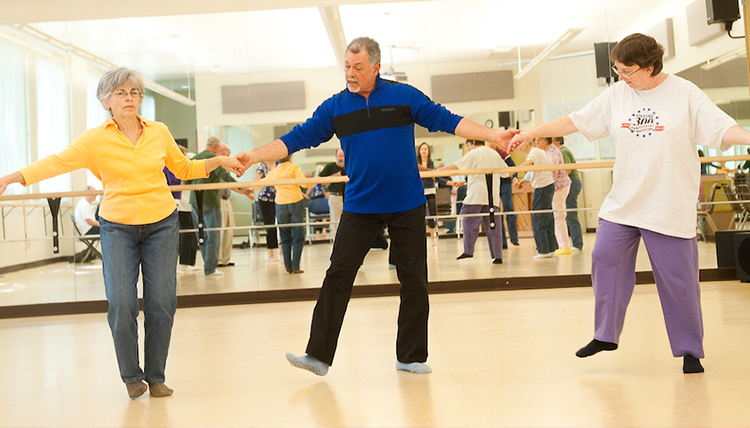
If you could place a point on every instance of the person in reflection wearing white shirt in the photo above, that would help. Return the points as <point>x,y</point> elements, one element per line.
<point>478,199</point>
<point>85,214</point>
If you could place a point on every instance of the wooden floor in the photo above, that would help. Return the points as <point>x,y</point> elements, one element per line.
<point>502,358</point>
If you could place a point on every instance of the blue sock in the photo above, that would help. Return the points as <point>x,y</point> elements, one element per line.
<point>308,363</point>
<point>418,368</point>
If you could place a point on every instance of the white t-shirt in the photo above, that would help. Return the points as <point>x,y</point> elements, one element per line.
<point>539,179</point>
<point>482,157</point>
<point>84,210</point>
<point>656,176</point>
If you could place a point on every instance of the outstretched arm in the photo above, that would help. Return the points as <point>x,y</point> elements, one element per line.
<point>557,128</point>
<point>736,135</point>
<point>15,177</point>
<point>270,152</point>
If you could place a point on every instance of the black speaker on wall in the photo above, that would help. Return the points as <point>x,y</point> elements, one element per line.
<point>742,255</point>
<point>503,119</point>
<point>603,64</point>
<point>722,10</point>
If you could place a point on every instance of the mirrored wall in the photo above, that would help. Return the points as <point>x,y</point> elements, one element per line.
<point>236,76</point>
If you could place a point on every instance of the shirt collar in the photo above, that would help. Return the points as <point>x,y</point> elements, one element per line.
<point>111,122</point>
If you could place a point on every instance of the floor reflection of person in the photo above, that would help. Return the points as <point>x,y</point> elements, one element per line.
<point>138,221</point>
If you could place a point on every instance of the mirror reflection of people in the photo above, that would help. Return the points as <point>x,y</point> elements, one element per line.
<point>374,121</point>
<point>267,206</point>
<point>290,209</point>
<point>424,161</point>
<point>543,223</point>
<point>85,214</point>
<point>477,199</point>
<point>562,188</point>
<point>656,121</point>
<point>212,217</point>
<point>86,222</point>
<point>335,190</point>
<point>138,221</point>
<point>571,202</point>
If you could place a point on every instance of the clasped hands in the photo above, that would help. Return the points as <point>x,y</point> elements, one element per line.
<point>237,164</point>
<point>512,139</point>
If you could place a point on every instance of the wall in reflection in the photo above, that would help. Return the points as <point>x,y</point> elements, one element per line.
<point>562,84</point>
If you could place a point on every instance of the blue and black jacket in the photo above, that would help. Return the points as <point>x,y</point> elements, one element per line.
<point>377,136</point>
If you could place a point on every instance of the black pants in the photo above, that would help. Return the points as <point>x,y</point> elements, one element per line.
<point>268,212</point>
<point>188,241</point>
<point>432,208</point>
<point>355,234</point>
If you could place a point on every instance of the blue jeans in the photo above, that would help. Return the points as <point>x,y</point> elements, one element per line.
<point>506,196</point>
<point>574,226</point>
<point>212,240</point>
<point>292,238</point>
<point>543,225</point>
<point>151,248</point>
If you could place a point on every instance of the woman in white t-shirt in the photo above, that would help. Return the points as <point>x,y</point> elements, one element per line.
<point>656,121</point>
<point>562,187</point>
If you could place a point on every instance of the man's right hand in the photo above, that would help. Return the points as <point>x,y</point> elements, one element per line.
<point>246,159</point>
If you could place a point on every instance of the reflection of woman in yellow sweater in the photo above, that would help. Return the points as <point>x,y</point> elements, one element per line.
<point>138,220</point>
<point>290,208</point>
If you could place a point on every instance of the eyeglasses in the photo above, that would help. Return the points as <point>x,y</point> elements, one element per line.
<point>622,73</point>
<point>135,93</point>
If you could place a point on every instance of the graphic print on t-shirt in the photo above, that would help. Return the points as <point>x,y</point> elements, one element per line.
<point>643,123</point>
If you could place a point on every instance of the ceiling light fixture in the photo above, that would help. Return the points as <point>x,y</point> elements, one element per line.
<point>153,86</point>
<point>548,51</point>
<point>739,53</point>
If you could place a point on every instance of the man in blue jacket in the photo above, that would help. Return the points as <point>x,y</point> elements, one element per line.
<point>374,121</point>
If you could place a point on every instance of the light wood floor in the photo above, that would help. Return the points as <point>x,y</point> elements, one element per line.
<point>503,358</point>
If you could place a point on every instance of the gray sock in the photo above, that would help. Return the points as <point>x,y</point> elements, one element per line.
<point>418,368</point>
<point>308,363</point>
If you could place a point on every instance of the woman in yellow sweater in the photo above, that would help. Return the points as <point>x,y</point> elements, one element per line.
<point>138,220</point>
<point>290,208</point>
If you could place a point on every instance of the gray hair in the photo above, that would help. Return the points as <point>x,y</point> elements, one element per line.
<point>214,141</point>
<point>370,45</point>
<point>115,78</point>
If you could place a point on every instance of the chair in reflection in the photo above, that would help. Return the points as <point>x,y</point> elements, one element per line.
<point>705,211</point>
<point>90,242</point>
<point>317,210</point>
<point>443,202</point>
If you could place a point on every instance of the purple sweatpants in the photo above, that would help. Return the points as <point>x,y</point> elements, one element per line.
<point>674,262</point>
<point>471,230</point>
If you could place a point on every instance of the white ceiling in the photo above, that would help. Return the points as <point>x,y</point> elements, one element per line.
<point>295,38</point>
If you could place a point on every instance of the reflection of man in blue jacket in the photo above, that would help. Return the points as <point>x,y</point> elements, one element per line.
<point>374,120</point>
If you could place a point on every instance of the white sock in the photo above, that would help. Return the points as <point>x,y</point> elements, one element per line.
<point>418,368</point>
<point>308,363</point>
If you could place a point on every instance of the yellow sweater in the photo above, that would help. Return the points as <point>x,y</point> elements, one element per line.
<point>288,194</point>
<point>135,188</point>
